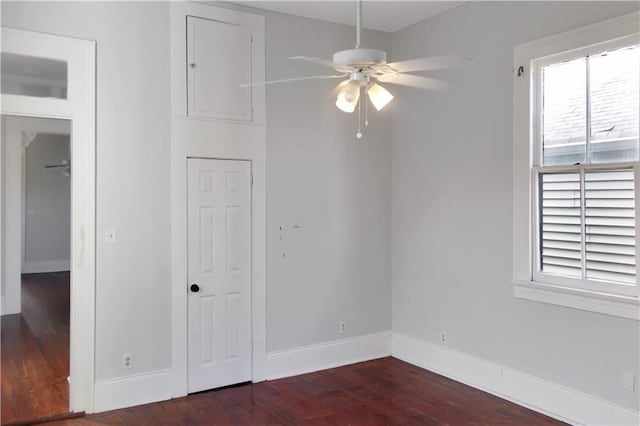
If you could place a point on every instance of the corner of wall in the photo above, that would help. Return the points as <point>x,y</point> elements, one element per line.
<point>546,397</point>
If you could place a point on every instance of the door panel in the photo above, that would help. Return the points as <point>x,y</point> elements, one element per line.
<point>219,253</point>
<point>219,62</point>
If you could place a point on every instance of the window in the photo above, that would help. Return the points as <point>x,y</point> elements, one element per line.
<point>577,125</point>
<point>584,178</point>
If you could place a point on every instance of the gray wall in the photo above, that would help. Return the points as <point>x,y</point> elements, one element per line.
<point>133,110</point>
<point>452,206</point>
<point>335,187</point>
<point>47,234</point>
<point>3,137</point>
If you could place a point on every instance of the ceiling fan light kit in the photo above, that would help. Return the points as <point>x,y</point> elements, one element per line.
<point>379,96</point>
<point>348,97</point>
<point>362,68</point>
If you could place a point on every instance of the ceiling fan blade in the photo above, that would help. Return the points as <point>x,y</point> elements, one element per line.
<point>287,80</point>
<point>432,63</point>
<point>416,81</point>
<point>319,61</point>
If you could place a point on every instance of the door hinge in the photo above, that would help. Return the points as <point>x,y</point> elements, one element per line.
<point>252,38</point>
<point>251,181</point>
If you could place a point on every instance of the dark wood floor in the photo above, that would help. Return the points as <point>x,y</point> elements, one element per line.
<point>381,392</point>
<point>35,353</point>
<point>35,350</point>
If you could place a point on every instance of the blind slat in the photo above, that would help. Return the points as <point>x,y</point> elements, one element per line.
<point>611,248</point>
<point>624,222</point>
<point>607,212</point>
<point>566,245</point>
<point>558,211</point>
<point>607,184</point>
<point>621,259</point>
<point>568,220</point>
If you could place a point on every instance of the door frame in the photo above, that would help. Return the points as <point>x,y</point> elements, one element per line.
<point>79,108</point>
<point>180,365</point>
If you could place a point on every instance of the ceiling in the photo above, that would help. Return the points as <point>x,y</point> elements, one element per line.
<point>389,16</point>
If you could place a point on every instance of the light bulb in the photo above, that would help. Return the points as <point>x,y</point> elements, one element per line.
<point>379,96</point>
<point>348,97</point>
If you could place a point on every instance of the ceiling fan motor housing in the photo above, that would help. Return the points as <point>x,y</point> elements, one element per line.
<point>360,57</point>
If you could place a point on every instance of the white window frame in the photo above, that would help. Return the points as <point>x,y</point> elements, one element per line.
<point>588,295</point>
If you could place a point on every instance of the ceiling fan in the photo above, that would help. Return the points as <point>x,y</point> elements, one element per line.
<point>364,69</point>
<point>65,165</point>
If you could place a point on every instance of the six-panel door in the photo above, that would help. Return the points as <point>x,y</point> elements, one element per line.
<point>219,275</point>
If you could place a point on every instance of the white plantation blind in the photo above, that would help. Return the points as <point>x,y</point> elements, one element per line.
<point>560,245</point>
<point>610,232</point>
<point>587,225</point>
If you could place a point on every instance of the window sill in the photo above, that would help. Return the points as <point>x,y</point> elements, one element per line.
<point>608,304</point>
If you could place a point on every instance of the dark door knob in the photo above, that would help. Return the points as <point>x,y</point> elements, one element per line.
<point>195,288</point>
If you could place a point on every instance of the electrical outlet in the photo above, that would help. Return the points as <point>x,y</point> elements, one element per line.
<point>628,381</point>
<point>343,327</point>
<point>443,337</point>
<point>127,360</point>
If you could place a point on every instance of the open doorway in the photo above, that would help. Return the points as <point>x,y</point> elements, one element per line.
<point>36,204</point>
<point>47,102</point>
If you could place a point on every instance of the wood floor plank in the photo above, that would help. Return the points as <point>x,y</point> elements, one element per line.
<point>35,351</point>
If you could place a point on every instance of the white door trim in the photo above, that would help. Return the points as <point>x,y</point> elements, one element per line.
<point>216,139</point>
<point>180,283</point>
<point>80,109</point>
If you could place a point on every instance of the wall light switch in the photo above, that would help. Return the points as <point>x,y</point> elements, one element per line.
<point>110,236</point>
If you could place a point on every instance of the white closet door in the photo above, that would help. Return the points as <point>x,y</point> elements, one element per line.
<point>219,286</point>
<point>218,63</point>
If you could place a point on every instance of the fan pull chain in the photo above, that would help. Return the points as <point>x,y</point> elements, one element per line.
<point>359,134</point>
<point>366,113</point>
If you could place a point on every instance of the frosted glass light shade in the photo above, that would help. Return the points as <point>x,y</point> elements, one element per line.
<point>379,96</point>
<point>348,97</point>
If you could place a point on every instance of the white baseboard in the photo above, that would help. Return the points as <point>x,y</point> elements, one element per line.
<point>46,266</point>
<point>307,359</point>
<point>9,307</point>
<point>128,391</point>
<point>554,400</point>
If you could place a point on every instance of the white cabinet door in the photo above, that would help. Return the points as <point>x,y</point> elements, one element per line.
<point>218,63</point>
<point>219,253</point>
